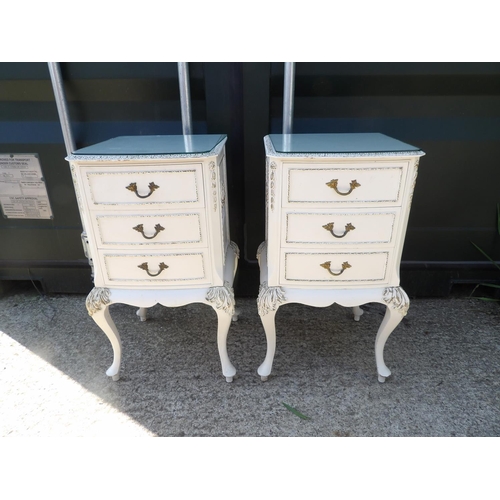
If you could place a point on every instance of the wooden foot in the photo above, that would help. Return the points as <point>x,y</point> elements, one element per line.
<point>142,313</point>
<point>358,312</point>
<point>236,315</point>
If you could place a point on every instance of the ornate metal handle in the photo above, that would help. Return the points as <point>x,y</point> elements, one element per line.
<point>327,265</point>
<point>140,229</point>
<point>348,227</point>
<point>334,185</point>
<point>133,187</point>
<point>144,266</point>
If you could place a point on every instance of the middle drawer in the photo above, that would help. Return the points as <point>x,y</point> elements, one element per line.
<point>165,229</point>
<point>339,227</point>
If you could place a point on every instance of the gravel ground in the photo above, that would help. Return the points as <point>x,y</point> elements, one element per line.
<point>444,358</point>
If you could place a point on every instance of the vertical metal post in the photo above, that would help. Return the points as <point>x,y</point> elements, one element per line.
<point>62,108</point>
<point>187,126</point>
<point>288,97</point>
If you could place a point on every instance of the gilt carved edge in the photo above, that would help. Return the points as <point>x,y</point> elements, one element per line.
<point>272,185</point>
<point>415,175</point>
<point>96,299</point>
<point>222,297</point>
<point>213,179</point>
<point>235,248</point>
<point>128,157</point>
<point>261,248</point>
<point>270,151</point>
<point>270,298</point>
<point>396,298</point>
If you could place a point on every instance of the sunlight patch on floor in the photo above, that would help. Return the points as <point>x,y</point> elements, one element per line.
<point>37,399</point>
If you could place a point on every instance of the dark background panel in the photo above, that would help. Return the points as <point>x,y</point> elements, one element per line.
<point>105,100</point>
<point>449,110</point>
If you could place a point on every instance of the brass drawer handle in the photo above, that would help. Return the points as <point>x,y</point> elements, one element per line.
<point>140,229</point>
<point>334,185</point>
<point>133,187</point>
<point>348,227</point>
<point>327,265</point>
<point>144,266</point>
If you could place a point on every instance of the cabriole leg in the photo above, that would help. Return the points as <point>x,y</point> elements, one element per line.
<point>221,298</point>
<point>268,302</point>
<point>223,324</point>
<point>397,306</point>
<point>98,302</point>
<point>270,330</point>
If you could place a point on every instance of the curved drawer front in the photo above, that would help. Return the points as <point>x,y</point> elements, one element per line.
<point>339,228</point>
<point>343,185</point>
<point>331,268</point>
<point>148,188</point>
<point>183,229</point>
<point>155,268</point>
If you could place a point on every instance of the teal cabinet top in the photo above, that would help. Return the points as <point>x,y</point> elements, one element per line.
<point>338,143</point>
<point>153,145</point>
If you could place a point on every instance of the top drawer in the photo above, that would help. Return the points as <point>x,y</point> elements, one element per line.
<point>151,187</point>
<point>343,184</point>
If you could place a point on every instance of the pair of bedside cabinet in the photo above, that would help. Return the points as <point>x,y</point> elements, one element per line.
<point>155,219</point>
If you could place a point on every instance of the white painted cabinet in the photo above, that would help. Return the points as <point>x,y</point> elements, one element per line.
<point>156,228</point>
<point>337,208</point>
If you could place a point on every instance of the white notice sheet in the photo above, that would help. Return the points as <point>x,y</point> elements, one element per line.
<point>23,194</point>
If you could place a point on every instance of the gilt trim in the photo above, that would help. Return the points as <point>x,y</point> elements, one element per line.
<point>270,298</point>
<point>396,298</point>
<point>96,299</point>
<point>222,297</point>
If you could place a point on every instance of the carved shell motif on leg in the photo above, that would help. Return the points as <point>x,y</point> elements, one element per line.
<point>222,297</point>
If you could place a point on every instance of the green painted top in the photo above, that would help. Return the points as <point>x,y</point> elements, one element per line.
<point>338,143</point>
<point>154,145</point>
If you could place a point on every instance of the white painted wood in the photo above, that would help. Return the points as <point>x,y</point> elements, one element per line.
<point>307,228</point>
<point>306,268</point>
<point>105,322</point>
<point>177,186</point>
<point>163,229</point>
<point>142,312</point>
<point>303,262</point>
<point>182,268</point>
<point>358,312</point>
<point>180,254</point>
<point>307,184</point>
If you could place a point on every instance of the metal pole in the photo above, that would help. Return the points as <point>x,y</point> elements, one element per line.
<point>62,108</point>
<point>288,96</point>
<point>187,126</point>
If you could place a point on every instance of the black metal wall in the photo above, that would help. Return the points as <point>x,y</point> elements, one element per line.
<point>450,110</point>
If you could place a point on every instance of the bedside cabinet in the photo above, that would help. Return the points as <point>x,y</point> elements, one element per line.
<point>156,229</point>
<point>337,208</point>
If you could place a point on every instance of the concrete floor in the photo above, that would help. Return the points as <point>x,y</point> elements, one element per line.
<point>444,357</point>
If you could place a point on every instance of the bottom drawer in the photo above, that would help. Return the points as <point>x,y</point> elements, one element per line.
<point>155,268</point>
<point>329,268</point>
